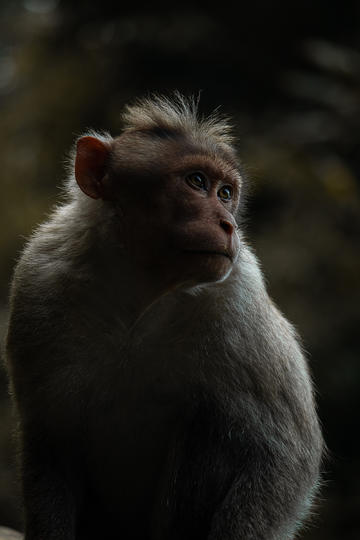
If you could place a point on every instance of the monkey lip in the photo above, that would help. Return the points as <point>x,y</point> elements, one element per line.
<point>209,252</point>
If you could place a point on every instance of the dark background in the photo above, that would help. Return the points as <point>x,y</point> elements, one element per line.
<point>289,75</point>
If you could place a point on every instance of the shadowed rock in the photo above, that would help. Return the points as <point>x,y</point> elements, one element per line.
<point>10,534</point>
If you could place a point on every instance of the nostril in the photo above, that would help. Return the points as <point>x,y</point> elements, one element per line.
<point>227,226</point>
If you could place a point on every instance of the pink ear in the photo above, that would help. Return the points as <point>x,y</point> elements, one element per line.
<point>91,155</point>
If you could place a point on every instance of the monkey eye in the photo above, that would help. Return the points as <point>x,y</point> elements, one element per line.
<point>197,180</point>
<point>225,193</point>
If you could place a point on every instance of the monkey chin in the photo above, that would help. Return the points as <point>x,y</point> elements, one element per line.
<point>208,267</point>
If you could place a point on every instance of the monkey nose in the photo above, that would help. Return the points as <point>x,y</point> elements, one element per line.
<point>227,226</point>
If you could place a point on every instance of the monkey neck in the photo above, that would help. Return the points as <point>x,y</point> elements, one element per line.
<point>138,294</point>
<point>129,289</point>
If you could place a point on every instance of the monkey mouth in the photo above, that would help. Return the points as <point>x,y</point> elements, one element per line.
<point>209,252</point>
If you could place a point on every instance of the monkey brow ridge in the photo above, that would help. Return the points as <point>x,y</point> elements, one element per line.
<point>179,113</point>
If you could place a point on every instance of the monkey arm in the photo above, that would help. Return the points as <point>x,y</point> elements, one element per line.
<point>44,391</point>
<point>264,502</point>
<point>49,472</point>
<point>233,478</point>
<point>49,500</point>
<point>278,465</point>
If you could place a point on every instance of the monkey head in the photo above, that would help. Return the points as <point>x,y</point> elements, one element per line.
<point>176,190</point>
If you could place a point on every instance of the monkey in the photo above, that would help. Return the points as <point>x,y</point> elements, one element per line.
<point>160,392</point>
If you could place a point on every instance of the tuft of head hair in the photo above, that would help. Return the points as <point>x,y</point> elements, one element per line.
<point>177,114</point>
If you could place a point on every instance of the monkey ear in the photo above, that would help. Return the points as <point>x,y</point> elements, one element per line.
<point>90,162</point>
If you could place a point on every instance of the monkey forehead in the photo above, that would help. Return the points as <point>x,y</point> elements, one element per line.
<point>146,152</point>
<point>214,165</point>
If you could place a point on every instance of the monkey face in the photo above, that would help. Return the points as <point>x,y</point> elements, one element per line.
<point>176,201</point>
<point>182,222</point>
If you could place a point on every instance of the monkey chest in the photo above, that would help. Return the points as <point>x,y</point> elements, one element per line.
<point>129,437</point>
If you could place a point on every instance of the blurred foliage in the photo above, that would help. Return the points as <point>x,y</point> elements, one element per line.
<point>289,74</point>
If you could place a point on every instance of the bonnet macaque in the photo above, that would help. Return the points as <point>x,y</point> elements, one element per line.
<point>161,395</point>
